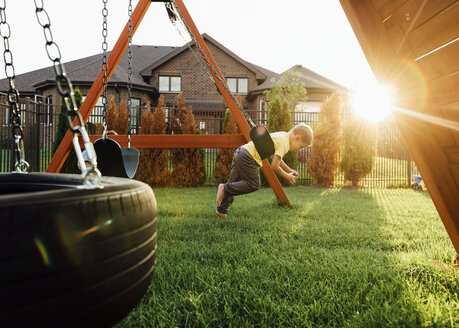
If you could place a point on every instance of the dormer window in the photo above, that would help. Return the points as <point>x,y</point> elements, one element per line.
<point>238,85</point>
<point>170,84</point>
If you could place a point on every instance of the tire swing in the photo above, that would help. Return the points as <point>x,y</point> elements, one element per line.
<point>258,133</point>
<point>75,250</point>
<point>114,160</point>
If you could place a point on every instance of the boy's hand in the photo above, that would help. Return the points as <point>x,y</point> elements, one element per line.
<point>291,178</point>
<point>295,173</point>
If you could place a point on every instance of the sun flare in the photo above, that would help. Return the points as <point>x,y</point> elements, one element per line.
<point>372,101</point>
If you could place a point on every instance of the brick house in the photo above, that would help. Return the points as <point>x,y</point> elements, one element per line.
<point>170,71</point>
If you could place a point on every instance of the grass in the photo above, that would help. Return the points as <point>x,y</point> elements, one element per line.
<point>336,258</point>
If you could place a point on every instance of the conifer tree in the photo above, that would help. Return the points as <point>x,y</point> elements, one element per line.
<point>359,150</point>
<point>187,164</point>
<point>70,165</point>
<point>225,155</point>
<point>327,141</point>
<point>153,162</point>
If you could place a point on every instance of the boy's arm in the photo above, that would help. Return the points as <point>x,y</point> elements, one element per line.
<point>287,169</point>
<point>278,167</point>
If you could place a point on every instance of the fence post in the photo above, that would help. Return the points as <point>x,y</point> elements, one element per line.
<point>408,170</point>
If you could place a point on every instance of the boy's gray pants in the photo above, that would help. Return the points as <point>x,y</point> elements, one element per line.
<point>244,178</point>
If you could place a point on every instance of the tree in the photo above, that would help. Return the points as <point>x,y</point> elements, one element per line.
<point>279,120</point>
<point>359,150</point>
<point>187,164</point>
<point>327,141</point>
<point>225,155</point>
<point>288,88</point>
<point>153,162</point>
<point>71,164</point>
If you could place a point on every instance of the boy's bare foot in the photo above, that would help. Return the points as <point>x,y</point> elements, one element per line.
<point>220,193</point>
<point>222,215</point>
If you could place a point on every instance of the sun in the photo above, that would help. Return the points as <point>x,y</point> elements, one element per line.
<point>372,101</point>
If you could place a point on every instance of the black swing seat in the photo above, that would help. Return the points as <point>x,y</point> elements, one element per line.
<point>262,140</point>
<point>116,162</point>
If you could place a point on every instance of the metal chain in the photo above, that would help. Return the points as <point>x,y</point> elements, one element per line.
<point>90,174</point>
<point>174,20</point>
<point>129,85</point>
<point>104,67</point>
<point>21,164</point>
<point>209,64</point>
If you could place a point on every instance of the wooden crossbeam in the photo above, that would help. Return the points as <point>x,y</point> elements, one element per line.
<point>141,141</point>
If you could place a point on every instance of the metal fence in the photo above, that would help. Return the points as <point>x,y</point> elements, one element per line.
<point>393,166</point>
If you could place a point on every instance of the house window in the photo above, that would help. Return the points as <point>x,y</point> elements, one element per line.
<point>97,112</point>
<point>238,85</point>
<point>170,84</point>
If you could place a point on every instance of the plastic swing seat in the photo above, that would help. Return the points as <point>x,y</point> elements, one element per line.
<point>114,161</point>
<point>262,140</point>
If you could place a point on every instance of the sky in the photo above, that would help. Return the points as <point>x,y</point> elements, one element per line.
<point>270,33</point>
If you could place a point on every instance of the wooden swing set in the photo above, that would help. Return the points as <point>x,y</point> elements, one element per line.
<point>168,141</point>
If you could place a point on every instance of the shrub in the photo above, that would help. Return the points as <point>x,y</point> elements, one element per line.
<point>327,140</point>
<point>187,164</point>
<point>117,118</point>
<point>279,120</point>
<point>153,162</point>
<point>359,150</point>
<point>225,155</point>
<point>71,164</point>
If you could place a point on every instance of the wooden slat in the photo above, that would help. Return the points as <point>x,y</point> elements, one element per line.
<point>178,140</point>
<point>451,112</point>
<point>419,12</point>
<point>446,90</point>
<point>454,169</point>
<point>436,32</point>
<point>452,154</point>
<point>387,7</point>
<point>440,63</point>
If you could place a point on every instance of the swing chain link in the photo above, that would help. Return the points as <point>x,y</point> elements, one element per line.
<point>21,164</point>
<point>104,67</point>
<point>209,64</point>
<point>54,54</point>
<point>129,86</point>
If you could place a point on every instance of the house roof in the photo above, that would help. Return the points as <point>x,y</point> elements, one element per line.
<point>311,80</point>
<point>85,70</point>
<point>260,73</point>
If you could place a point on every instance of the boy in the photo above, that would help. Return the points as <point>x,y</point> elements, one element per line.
<point>244,175</point>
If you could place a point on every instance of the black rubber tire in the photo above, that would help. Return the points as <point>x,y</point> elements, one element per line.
<point>73,257</point>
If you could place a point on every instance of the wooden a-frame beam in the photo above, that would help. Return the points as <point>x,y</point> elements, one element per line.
<point>96,89</point>
<point>240,119</point>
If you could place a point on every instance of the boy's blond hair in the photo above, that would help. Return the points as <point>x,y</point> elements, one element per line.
<point>305,132</point>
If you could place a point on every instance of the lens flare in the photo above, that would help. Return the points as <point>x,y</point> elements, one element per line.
<point>97,227</point>
<point>43,252</point>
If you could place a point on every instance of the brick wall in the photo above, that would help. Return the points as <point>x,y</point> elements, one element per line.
<point>196,84</point>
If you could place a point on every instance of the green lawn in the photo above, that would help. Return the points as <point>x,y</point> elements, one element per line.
<point>336,258</point>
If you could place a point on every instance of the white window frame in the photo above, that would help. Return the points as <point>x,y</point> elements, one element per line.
<point>237,84</point>
<point>169,84</point>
